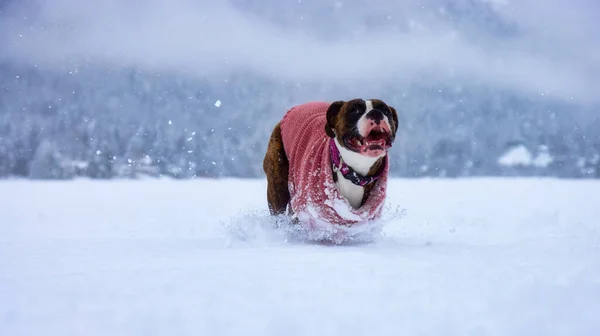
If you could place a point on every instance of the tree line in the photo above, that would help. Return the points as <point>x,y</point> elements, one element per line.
<point>119,122</point>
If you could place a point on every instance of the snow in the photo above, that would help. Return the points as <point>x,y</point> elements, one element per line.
<point>543,159</point>
<point>521,156</point>
<point>164,257</point>
<point>343,209</point>
<point>516,156</point>
<point>218,103</point>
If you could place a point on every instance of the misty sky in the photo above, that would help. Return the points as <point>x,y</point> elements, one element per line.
<point>553,47</point>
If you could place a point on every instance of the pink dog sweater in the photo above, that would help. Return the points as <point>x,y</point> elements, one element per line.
<point>315,199</point>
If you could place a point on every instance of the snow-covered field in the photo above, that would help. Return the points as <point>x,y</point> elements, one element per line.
<point>161,257</point>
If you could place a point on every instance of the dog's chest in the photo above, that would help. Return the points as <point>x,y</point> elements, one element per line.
<point>353,193</point>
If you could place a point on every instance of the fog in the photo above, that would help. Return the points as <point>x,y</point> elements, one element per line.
<point>539,47</point>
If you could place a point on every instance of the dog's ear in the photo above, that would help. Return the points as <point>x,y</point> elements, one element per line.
<point>332,113</point>
<point>394,118</point>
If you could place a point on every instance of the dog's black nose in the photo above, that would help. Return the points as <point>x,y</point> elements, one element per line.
<point>375,115</point>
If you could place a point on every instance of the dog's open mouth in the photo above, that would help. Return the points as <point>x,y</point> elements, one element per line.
<point>374,144</point>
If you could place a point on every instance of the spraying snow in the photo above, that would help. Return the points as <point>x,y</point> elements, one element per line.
<point>162,257</point>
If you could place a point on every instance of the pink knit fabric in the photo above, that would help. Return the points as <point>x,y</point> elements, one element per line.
<point>314,198</point>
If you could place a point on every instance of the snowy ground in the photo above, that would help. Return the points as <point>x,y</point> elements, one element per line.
<point>469,257</point>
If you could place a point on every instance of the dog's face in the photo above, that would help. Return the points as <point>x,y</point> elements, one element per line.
<point>367,127</point>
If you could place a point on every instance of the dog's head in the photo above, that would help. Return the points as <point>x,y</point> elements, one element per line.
<point>367,127</point>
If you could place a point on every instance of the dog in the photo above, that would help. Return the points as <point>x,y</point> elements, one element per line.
<point>328,162</point>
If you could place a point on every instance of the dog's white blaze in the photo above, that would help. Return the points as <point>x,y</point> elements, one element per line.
<point>369,104</point>
<point>362,122</point>
<point>361,164</point>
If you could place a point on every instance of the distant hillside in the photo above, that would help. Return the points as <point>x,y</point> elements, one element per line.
<point>106,90</point>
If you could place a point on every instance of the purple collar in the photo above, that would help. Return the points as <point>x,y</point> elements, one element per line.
<point>347,171</point>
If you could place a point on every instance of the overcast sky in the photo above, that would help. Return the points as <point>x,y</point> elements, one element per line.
<point>556,51</point>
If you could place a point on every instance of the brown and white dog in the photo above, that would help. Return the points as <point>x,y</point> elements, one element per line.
<point>352,136</point>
